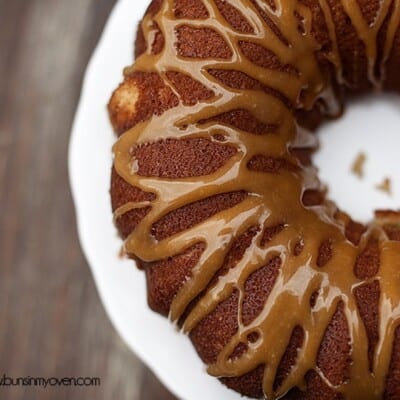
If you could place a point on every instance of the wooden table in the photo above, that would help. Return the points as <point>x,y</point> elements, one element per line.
<point>52,321</point>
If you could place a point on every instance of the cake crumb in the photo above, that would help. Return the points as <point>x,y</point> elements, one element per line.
<point>122,253</point>
<point>385,186</point>
<point>358,165</point>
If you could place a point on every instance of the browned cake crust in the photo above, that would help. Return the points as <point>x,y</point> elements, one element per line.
<point>143,95</point>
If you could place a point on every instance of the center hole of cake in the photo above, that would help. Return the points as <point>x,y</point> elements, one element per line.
<point>359,156</point>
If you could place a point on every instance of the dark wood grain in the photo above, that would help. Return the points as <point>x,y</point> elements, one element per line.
<point>52,321</point>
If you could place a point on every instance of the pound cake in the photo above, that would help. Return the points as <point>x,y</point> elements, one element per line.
<point>214,192</point>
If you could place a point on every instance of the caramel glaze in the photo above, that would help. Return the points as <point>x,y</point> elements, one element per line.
<point>272,197</point>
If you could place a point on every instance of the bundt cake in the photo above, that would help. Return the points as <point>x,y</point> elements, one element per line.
<point>215,195</point>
